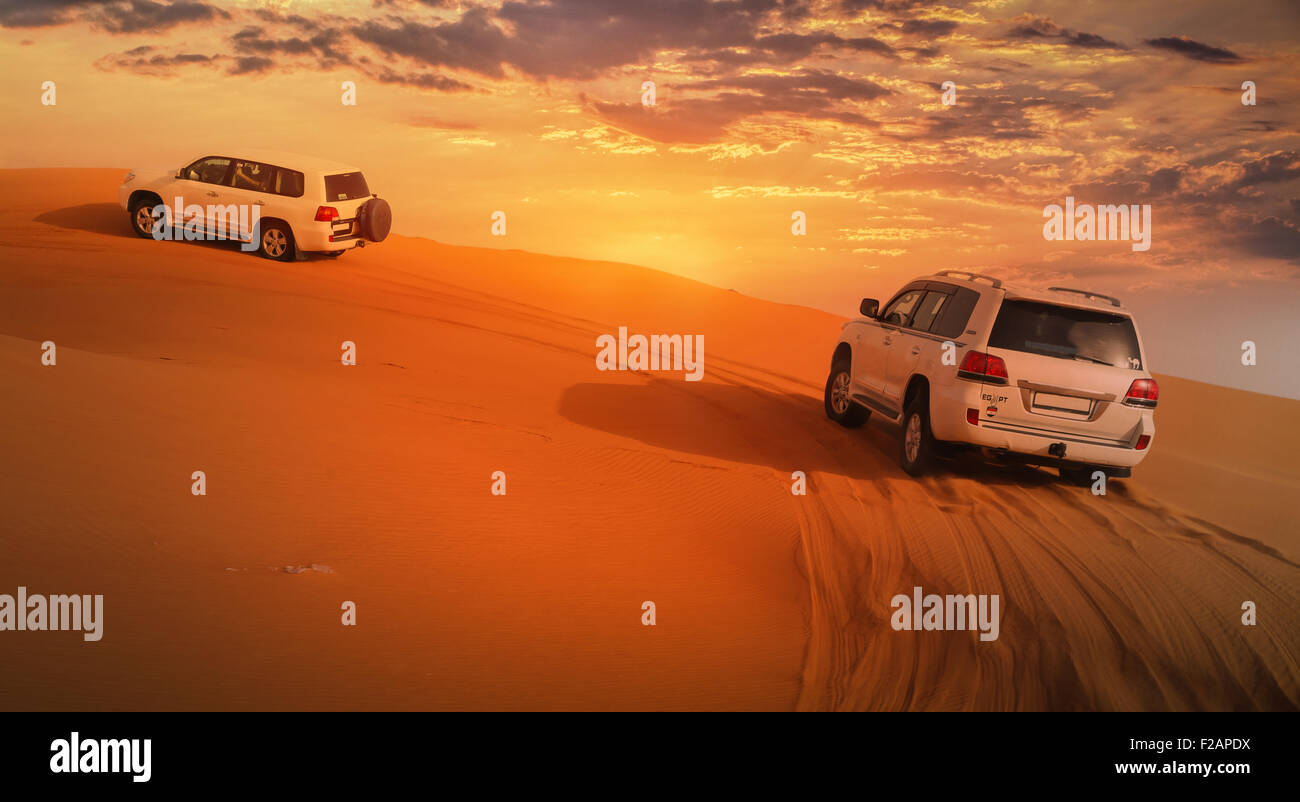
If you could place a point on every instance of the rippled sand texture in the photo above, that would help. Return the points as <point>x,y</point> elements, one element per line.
<point>371,484</point>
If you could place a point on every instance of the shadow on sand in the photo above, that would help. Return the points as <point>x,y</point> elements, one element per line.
<point>109,219</point>
<point>752,425</point>
<point>97,218</point>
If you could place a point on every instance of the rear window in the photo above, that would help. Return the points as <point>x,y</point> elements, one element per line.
<point>1066,333</point>
<point>346,186</point>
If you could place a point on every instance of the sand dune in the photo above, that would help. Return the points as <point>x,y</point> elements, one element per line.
<point>622,488</point>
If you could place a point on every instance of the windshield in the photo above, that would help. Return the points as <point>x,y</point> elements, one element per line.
<point>346,186</point>
<point>1067,333</point>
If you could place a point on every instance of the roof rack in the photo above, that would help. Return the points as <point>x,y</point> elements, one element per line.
<point>997,284</point>
<point>1113,301</point>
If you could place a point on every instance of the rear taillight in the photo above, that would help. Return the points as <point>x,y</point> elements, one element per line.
<point>983,367</point>
<point>1143,440</point>
<point>1142,393</point>
<point>325,214</point>
<point>972,416</point>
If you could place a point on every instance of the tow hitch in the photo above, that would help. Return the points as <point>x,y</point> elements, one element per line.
<point>1057,450</point>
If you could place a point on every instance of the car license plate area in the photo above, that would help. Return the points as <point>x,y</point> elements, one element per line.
<point>1054,404</point>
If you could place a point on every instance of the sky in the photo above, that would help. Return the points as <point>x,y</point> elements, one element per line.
<point>762,109</point>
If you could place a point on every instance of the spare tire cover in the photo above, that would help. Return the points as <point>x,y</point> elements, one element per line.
<point>375,219</point>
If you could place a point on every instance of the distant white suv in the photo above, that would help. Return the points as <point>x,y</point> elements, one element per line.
<point>1053,377</point>
<point>281,204</point>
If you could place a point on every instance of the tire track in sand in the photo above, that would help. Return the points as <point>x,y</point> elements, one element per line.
<point>1111,602</point>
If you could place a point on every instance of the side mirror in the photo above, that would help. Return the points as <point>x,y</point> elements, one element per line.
<point>869,307</point>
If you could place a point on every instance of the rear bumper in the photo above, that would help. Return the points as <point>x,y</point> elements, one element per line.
<point>948,405</point>
<point>1035,447</point>
<point>317,237</point>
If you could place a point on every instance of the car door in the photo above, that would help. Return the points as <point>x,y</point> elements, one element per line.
<point>876,345</point>
<point>251,185</point>
<point>203,184</point>
<point>911,340</point>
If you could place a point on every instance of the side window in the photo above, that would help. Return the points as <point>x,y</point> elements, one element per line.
<point>955,314</point>
<point>252,175</point>
<point>899,312</point>
<point>288,182</point>
<point>928,310</point>
<point>210,171</point>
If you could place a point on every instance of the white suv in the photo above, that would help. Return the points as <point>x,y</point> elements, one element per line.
<point>282,204</point>
<point>1053,377</point>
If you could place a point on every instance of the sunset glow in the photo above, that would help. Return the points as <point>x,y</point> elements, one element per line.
<point>762,109</point>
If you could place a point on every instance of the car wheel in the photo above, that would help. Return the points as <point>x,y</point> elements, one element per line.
<point>143,218</point>
<point>840,407</point>
<point>276,242</point>
<point>917,446</point>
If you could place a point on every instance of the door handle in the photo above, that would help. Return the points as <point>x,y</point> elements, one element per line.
<point>916,349</point>
<point>259,203</point>
<point>212,194</point>
<point>888,340</point>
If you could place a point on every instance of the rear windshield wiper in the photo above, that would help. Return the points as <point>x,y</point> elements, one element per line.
<point>1093,360</point>
<point>1062,355</point>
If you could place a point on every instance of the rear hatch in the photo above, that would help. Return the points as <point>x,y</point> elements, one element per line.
<point>346,192</point>
<point>1069,369</point>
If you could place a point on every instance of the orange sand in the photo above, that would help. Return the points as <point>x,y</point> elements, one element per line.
<point>622,488</point>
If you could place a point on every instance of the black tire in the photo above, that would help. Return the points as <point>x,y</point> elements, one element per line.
<point>839,407</point>
<point>375,219</point>
<point>275,241</point>
<point>139,210</point>
<point>916,446</point>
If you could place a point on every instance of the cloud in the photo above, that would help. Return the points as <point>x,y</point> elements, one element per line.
<point>145,60</point>
<point>1031,27</point>
<point>323,45</point>
<point>39,13</point>
<point>839,96</point>
<point>809,85</point>
<point>471,43</point>
<point>694,121</point>
<point>115,16</point>
<point>1284,165</point>
<point>787,48</point>
<point>1274,238</point>
<point>420,80</point>
<point>929,27</point>
<point>1198,51</point>
<point>584,39</point>
<point>851,8</point>
<point>807,94</point>
<point>245,65</point>
<point>143,15</point>
<point>794,46</point>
